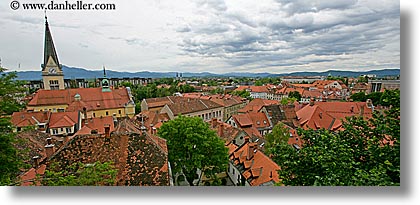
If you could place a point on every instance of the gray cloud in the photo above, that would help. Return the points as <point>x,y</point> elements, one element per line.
<point>308,28</point>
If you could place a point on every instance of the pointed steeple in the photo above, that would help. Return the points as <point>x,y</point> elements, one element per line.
<point>105,83</point>
<point>49,48</point>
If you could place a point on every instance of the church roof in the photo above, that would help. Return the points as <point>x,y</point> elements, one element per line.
<point>49,48</point>
<point>90,98</point>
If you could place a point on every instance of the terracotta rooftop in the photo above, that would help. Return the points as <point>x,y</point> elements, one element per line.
<point>256,104</point>
<point>224,130</point>
<point>63,119</point>
<point>256,89</point>
<point>97,124</point>
<point>140,160</point>
<point>24,119</point>
<point>341,110</point>
<point>90,98</point>
<point>257,168</point>
<point>314,117</point>
<point>183,105</point>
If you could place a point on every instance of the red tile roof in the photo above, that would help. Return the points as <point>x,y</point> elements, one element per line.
<point>341,110</point>
<point>256,104</point>
<point>181,105</point>
<point>314,117</point>
<point>97,123</point>
<point>29,177</point>
<point>259,169</point>
<point>91,98</point>
<point>63,119</point>
<point>24,119</point>
<point>255,89</point>
<point>139,158</point>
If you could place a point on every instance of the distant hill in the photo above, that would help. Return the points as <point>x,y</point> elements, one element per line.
<point>72,73</point>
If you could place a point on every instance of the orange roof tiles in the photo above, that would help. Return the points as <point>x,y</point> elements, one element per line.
<point>24,119</point>
<point>256,104</point>
<point>97,123</point>
<point>141,160</point>
<point>341,110</point>
<point>182,105</point>
<point>259,169</point>
<point>256,89</point>
<point>29,177</point>
<point>314,117</point>
<point>63,119</point>
<point>91,98</point>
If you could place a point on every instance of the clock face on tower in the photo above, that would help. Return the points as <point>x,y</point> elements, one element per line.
<point>52,70</point>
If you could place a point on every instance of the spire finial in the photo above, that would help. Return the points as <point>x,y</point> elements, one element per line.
<point>104,71</point>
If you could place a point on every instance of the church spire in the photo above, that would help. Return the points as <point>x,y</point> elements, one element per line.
<point>49,48</point>
<point>105,83</point>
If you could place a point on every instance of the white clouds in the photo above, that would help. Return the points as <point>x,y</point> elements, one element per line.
<point>215,35</point>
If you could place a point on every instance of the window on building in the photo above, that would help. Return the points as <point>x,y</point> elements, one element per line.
<point>94,115</point>
<point>68,130</point>
<point>119,112</point>
<point>54,131</point>
<point>106,113</point>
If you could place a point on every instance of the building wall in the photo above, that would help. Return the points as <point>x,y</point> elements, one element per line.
<point>206,115</point>
<point>52,108</point>
<point>258,95</point>
<point>234,174</point>
<point>129,110</point>
<point>232,110</point>
<point>62,131</point>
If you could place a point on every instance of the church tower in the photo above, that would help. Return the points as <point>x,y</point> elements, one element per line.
<point>105,83</point>
<point>52,74</point>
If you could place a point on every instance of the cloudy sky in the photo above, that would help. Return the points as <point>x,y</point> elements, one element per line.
<point>219,36</point>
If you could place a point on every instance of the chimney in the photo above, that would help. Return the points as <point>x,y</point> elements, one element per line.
<point>251,150</point>
<point>36,161</point>
<point>49,141</point>
<point>369,103</point>
<point>85,115</point>
<point>49,150</point>
<point>246,139</point>
<point>107,128</point>
<point>312,102</point>
<point>220,131</point>
<point>213,122</point>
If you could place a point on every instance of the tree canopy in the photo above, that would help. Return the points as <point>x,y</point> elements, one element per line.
<point>79,174</point>
<point>366,153</point>
<point>193,145</point>
<point>10,91</point>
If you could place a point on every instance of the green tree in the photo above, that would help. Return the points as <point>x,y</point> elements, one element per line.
<point>193,145</point>
<point>375,97</point>
<point>10,92</point>
<point>359,97</point>
<point>287,100</point>
<point>79,174</point>
<point>242,93</point>
<point>366,153</point>
<point>390,97</point>
<point>279,134</point>
<point>296,95</point>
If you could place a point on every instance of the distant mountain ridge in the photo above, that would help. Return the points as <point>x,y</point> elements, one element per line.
<point>72,73</point>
